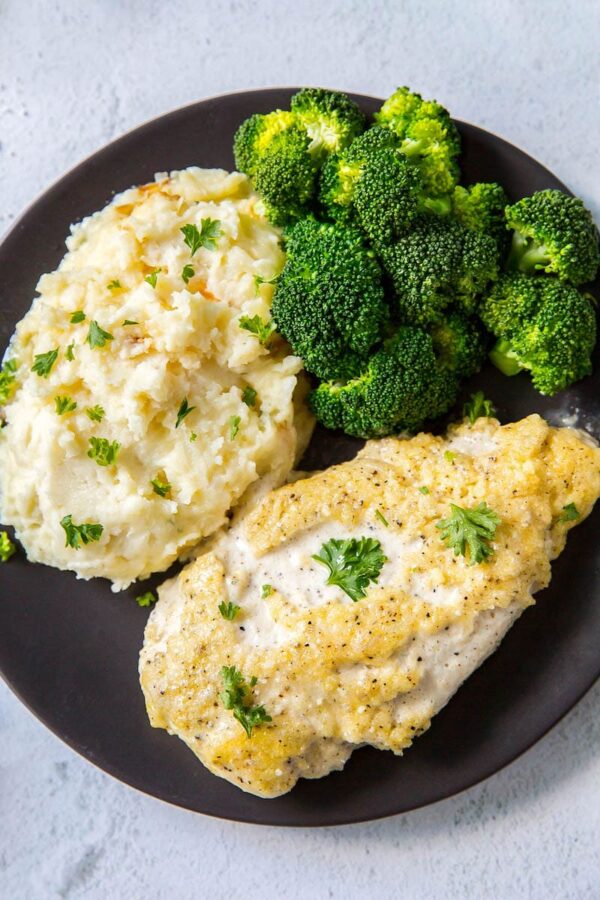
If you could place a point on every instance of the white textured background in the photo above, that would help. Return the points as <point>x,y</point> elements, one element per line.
<point>75,74</point>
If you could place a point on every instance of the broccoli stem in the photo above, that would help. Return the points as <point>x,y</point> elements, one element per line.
<point>412,148</point>
<point>440,206</point>
<point>505,359</point>
<point>525,255</point>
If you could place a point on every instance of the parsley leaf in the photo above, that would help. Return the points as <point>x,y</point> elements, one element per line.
<point>152,277</point>
<point>234,427</point>
<point>210,230</point>
<point>478,407</point>
<point>7,548</point>
<point>249,395</point>
<point>352,564</point>
<point>470,528</point>
<point>77,316</point>
<point>424,490</point>
<point>146,599</point>
<point>95,413</point>
<point>229,610</point>
<point>43,362</point>
<point>187,272</point>
<point>97,337</point>
<point>236,697</point>
<point>69,352</point>
<point>64,405</point>
<point>193,436</point>
<point>259,281</point>
<point>266,591</point>
<point>162,488</point>
<point>103,451</point>
<point>8,380</point>
<point>128,322</point>
<point>382,518</point>
<point>77,535</point>
<point>569,513</point>
<point>255,325</point>
<point>449,456</point>
<point>184,410</point>
<point>114,285</point>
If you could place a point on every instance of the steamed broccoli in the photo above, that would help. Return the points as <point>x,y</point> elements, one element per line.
<point>459,344</point>
<point>399,388</point>
<point>330,118</point>
<point>329,301</point>
<point>437,262</point>
<point>553,233</point>
<point>481,208</point>
<point>372,184</point>
<point>274,150</point>
<point>542,325</point>
<point>428,137</point>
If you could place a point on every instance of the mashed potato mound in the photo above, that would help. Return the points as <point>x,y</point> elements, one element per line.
<point>172,342</point>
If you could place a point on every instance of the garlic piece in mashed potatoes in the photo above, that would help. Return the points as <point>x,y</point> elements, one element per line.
<point>172,320</point>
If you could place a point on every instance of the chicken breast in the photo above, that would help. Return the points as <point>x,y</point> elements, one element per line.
<point>328,674</point>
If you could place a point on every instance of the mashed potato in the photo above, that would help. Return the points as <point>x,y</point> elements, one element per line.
<point>172,342</point>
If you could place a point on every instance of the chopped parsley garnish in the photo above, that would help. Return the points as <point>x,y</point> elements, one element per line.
<point>236,697</point>
<point>43,362</point>
<point>146,599</point>
<point>449,456</point>
<point>69,352</point>
<point>77,535</point>
<point>569,513</point>
<point>114,285</point>
<point>382,518</point>
<point>64,405</point>
<point>97,337</point>
<point>184,410</point>
<point>7,548</point>
<point>187,272</point>
<point>471,529</point>
<point>255,325</point>
<point>206,236</point>
<point>193,436</point>
<point>478,407</point>
<point>352,564</point>
<point>234,427</point>
<point>424,490</point>
<point>95,413</point>
<point>259,280</point>
<point>8,380</point>
<point>128,322</point>
<point>77,317</point>
<point>266,591</point>
<point>103,451</point>
<point>249,395</point>
<point>229,610</point>
<point>152,277</point>
<point>162,488</point>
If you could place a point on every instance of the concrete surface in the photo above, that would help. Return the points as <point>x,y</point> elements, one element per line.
<point>73,75</point>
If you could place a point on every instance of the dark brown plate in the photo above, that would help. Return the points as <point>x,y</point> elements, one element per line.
<point>69,649</point>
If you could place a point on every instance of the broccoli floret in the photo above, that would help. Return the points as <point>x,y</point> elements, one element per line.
<point>273,150</point>
<point>329,301</point>
<point>372,184</point>
<point>460,344</point>
<point>331,119</point>
<point>437,262</point>
<point>543,325</point>
<point>481,208</point>
<point>399,388</point>
<point>553,233</point>
<point>428,137</point>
